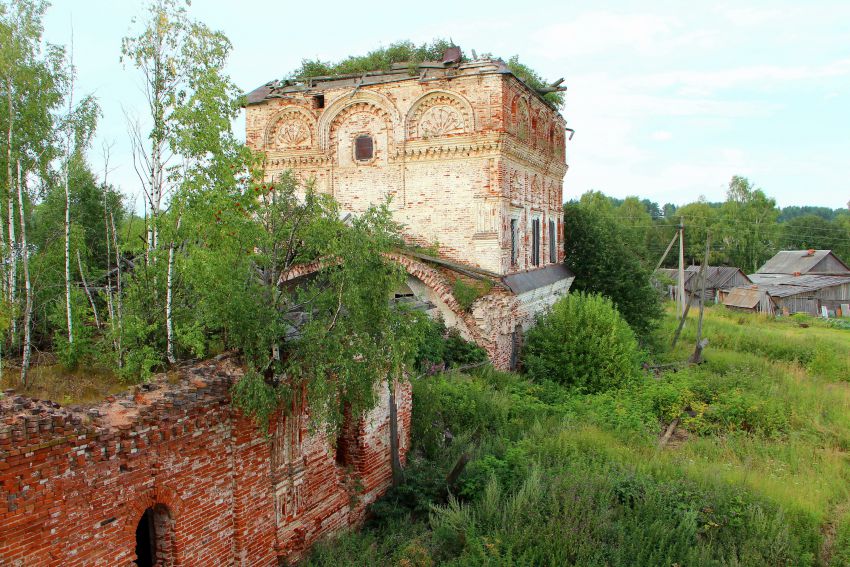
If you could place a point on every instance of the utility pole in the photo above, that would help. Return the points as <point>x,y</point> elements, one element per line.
<point>696,358</point>
<point>680,289</point>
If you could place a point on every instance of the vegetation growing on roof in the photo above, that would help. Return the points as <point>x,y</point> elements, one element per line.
<point>405,51</point>
<point>530,77</point>
<point>381,59</point>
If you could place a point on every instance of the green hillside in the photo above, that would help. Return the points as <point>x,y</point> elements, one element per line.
<point>756,473</point>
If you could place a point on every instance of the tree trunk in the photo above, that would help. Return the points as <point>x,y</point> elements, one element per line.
<point>119,303</point>
<point>88,293</point>
<point>68,201</point>
<point>394,445</point>
<point>110,305</point>
<point>68,316</point>
<point>9,279</point>
<point>169,323</point>
<point>25,362</point>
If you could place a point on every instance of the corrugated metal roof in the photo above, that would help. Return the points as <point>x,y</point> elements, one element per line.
<point>794,261</point>
<point>533,279</point>
<point>744,297</point>
<point>786,286</point>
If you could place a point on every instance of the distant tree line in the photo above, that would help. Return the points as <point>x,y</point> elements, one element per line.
<point>746,229</point>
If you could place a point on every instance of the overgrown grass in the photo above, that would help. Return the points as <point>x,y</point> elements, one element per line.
<point>758,474</point>
<point>54,382</point>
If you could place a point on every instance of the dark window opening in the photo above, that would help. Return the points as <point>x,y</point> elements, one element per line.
<point>553,242</point>
<point>514,242</point>
<point>535,242</point>
<point>364,148</point>
<point>145,550</point>
<point>154,538</point>
<point>341,453</point>
<point>319,101</point>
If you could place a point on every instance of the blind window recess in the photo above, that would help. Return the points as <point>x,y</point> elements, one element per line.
<point>364,148</point>
<point>553,242</point>
<point>514,242</point>
<point>535,242</point>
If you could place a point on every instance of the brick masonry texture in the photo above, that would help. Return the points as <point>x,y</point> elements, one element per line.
<point>461,156</point>
<point>74,485</point>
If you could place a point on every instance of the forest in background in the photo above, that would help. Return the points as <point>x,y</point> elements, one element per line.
<point>97,285</point>
<point>566,463</point>
<point>746,229</point>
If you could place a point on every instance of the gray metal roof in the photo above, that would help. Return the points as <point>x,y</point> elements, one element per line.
<point>533,279</point>
<point>795,261</point>
<point>787,285</point>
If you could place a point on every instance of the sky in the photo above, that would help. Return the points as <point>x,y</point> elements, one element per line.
<point>669,100</point>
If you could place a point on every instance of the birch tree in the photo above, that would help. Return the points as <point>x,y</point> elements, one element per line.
<point>31,81</point>
<point>158,53</point>
<point>189,145</point>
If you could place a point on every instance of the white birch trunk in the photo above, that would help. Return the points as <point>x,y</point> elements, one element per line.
<point>169,324</point>
<point>25,362</point>
<point>119,303</point>
<point>88,293</point>
<point>68,202</point>
<point>11,188</point>
<point>110,306</point>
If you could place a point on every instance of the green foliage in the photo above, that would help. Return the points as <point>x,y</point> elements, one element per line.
<point>257,398</point>
<point>563,478</point>
<point>441,348</point>
<point>405,51</point>
<point>582,343</point>
<point>598,253</point>
<point>466,293</point>
<point>530,77</point>
<point>381,59</point>
<point>747,225</point>
<point>813,231</point>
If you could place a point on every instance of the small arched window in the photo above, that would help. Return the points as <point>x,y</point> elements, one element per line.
<point>364,148</point>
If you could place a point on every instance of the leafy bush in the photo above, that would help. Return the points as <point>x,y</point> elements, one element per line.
<point>583,343</point>
<point>599,253</point>
<point>442,348</point>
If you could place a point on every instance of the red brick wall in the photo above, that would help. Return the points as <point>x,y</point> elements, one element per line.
<point>74,485</point>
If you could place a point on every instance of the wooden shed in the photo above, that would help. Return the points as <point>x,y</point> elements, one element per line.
<point>749,298</point>
<point>805,281</point>
<point>718,278</point>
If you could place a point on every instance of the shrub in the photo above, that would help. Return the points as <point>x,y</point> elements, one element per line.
<point>443,348</point>
<point>583,343</point>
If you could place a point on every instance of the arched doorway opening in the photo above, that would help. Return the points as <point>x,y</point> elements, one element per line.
<point>154,538</point>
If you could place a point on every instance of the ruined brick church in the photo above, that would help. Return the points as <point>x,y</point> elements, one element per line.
<point>171,473</point>
<point>473,161</point>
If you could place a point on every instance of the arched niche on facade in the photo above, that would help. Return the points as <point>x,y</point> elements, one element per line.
<point>520,117</point>
<point>439,113</point>
<point>364,105</point>
<point>291,128</point>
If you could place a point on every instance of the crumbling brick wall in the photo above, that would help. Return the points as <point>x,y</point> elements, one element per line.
<point>74,485</point>
<point>460,155</point>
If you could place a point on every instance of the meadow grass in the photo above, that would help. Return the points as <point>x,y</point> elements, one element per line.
<point>758,473</point>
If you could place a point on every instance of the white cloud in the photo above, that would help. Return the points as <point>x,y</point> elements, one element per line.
<point>603,31</point>
<point>661,136</point>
